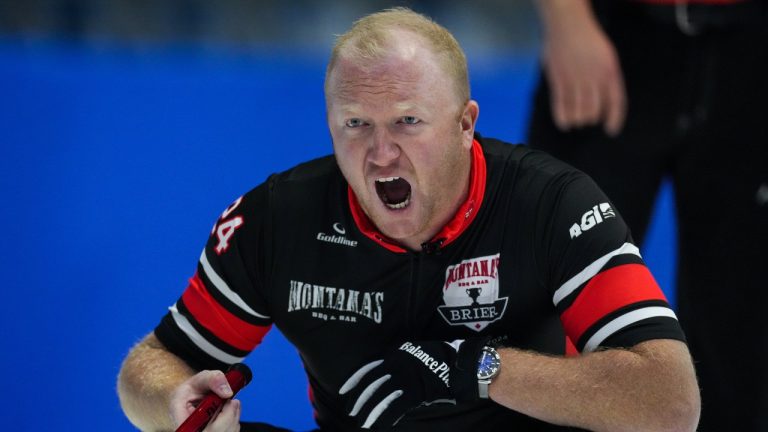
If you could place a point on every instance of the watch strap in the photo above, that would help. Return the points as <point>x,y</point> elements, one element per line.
<point>482,388</point>
<point>463,377</point>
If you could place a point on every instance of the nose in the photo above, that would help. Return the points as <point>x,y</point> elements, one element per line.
<point>384,149</point>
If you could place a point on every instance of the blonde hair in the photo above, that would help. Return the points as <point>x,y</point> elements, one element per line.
<point>368,38</point>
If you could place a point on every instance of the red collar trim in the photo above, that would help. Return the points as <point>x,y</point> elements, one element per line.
<point>461,220</point>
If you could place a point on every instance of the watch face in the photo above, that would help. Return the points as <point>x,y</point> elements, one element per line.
<point>489,363</point>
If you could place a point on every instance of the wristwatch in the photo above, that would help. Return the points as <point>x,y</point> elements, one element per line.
<point>488,367</point>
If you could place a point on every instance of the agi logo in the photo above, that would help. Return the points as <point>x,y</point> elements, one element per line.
<point>591,218</point>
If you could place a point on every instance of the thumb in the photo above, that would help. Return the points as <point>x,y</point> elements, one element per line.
<point>215,381</point>
<point>189,393</point>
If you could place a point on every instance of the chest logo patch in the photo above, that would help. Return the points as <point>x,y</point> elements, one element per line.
<point>471,293</point>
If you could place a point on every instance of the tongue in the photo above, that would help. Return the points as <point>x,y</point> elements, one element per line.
<point>394,192</point>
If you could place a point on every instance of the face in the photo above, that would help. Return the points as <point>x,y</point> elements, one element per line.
<point>402,140</point>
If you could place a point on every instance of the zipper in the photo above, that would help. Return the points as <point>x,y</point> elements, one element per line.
<point>417,288</point>
<point>413,286</point>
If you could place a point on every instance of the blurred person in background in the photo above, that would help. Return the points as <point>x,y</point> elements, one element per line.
<point>430,278</point>
<point>633,91</point>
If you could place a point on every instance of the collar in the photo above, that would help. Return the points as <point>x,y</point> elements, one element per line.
<point>452,230</point>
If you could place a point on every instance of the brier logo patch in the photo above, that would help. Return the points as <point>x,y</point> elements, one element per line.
<point>471,293</point>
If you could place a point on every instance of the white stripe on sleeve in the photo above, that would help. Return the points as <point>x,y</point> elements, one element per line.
<point>590,271</point>
<point>199,340</point>
<point>625,320</point>
<point>224,289</point>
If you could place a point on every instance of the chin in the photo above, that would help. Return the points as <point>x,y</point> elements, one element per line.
<point>396,224</point>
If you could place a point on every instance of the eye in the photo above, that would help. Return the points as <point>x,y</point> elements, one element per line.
<point>410,120</point>
<point>353,123</point>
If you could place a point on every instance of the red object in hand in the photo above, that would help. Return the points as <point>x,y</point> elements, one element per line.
<point>238,376</point>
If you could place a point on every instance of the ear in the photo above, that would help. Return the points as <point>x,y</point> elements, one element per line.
<point>467,123</point>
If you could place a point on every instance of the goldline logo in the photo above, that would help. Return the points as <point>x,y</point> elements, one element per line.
<point>337,239</point>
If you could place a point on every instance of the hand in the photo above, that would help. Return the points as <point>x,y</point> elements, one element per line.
<point>188,395</point>
<point>584,75</point>
<point>409,376</point>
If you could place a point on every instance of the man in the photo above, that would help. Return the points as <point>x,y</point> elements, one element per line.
<point>430,278</point>
<point>633,92</point>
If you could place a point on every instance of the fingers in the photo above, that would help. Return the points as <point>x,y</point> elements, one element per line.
<point>559,102</point>
<point>576,105</point>
<point>615,106</point>
<point>188,395</point>
<point>228,420</point>
<point>588,107</point>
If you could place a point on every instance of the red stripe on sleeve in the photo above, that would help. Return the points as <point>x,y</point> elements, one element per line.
<point>607,292</point>
<point>219,321</point>
<point>570,348</point>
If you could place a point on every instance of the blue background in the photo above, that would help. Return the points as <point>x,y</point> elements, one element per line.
<point>114,165</point>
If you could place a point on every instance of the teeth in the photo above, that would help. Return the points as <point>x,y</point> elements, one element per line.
<point>387,179</point>
<point>403,204</point>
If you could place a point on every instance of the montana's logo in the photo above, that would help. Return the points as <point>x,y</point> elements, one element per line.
<point>335,304</point>
<point>471,293</point>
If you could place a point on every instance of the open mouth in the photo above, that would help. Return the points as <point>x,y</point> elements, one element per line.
<point>394,192</point>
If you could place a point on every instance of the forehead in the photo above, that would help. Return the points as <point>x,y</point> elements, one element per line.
<point>386,76</point>
<point>398,85</point>
<point>405,71</point>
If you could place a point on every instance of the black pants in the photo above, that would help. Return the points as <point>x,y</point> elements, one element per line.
<point>698,114</point>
